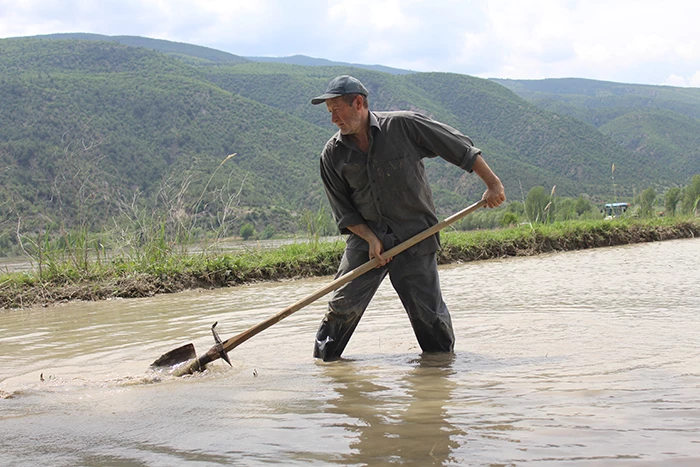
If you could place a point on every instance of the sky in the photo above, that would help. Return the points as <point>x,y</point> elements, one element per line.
<point>629,41</point>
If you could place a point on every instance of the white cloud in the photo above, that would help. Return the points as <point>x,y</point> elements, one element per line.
<point>595,39</point>
<point>620,40</point>
<point>695,80</point>
<point>675,80</point>
<point>375,15</point>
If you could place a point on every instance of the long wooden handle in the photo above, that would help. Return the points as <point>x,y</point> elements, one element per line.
<point>199,363</point>
<point>237,340</point>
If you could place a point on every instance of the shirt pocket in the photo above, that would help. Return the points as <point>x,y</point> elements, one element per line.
<point>399,174</point>
<point>355,175</point>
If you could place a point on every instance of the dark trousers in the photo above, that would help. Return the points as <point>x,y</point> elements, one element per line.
<point>416,281</point>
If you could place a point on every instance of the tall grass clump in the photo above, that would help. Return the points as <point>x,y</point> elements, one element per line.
<point>318,223</point>
<point>150,236</point>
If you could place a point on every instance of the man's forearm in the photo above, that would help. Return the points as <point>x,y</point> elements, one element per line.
<point>495,195</point>
<point>482,169</point>
<point>363,231</point>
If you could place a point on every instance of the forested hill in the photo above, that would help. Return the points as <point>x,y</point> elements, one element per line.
<point>187,52</point>
<point>104,126</point>
<point>658,123</point>
<point>91,129</point>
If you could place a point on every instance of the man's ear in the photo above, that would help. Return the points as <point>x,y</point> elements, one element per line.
<point>358,103</point>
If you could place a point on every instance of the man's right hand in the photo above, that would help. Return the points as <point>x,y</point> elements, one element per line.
<point>376,248</point>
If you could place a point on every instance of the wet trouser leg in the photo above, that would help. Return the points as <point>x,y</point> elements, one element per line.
<point>416,281</point>
<point>346,306</point>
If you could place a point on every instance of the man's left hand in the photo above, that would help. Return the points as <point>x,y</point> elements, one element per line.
<point>495,195</point>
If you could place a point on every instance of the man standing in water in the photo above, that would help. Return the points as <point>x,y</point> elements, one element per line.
<point>374,177</point>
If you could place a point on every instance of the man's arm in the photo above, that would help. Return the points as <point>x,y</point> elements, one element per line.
<point>448,143</point>
<point>494,194</point>
<point>344,212</point>
<point>338,193</point>
<point>376,248</point>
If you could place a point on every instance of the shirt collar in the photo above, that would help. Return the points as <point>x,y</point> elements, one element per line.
<point>373,122</point>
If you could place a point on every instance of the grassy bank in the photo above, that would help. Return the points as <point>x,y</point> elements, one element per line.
<point>99,278</point>
<point>526,240</point>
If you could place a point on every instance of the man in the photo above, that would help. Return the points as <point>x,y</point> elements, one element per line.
<point>375,180</point>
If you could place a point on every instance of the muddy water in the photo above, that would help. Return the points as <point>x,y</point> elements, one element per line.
<point>581,358</point>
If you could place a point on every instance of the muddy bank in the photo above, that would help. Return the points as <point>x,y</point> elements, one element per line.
<point>459,247</point>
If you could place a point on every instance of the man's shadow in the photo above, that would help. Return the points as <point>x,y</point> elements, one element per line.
<point>395,421</point>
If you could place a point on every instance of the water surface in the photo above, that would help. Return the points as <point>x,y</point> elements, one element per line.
<point>578,358</point>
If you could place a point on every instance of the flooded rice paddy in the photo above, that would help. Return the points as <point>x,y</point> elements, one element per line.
<point>583,358</point>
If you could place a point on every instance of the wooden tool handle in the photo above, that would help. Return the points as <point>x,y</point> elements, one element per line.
<point>237,340</point>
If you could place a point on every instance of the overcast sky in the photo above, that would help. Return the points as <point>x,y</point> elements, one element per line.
<point>631,41</point>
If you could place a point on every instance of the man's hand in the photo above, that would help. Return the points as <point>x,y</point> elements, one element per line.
<point>376,248</point>
<point>375,251</point>
<point>494,195</point>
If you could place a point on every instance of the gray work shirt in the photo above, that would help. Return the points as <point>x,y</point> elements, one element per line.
<point>387,188</point>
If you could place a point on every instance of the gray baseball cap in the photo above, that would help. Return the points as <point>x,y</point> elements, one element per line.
<point>341,86</point>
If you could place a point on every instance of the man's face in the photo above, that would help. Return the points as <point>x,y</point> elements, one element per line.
<point>348,118</point>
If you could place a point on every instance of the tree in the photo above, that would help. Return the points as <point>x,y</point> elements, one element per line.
<point>582,206</point>
<point>516,207</point>
<point>247,231</point>
<point>671,200</point>
<point>565,210</point>
<point>691,196</point>
<point>535,204</point>
<point>646,201</point>
<point>509,218</point>
<point>267,233</point>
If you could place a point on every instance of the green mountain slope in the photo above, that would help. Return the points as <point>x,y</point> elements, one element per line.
<point>660,124</point>
<point>101,124</point>
<point>135,121</point>
<point>526,145</point>
<point>31,57</point>
<point>665,138</point>
<point>549,149</point>
<point>598,102</point>
<point>303,60</point>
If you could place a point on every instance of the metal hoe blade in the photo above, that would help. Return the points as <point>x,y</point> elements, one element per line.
<point>187,353</point>
<point>175,357</point>
<point>219,345</point>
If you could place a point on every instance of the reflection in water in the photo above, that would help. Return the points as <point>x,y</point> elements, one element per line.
<point>405,422</point>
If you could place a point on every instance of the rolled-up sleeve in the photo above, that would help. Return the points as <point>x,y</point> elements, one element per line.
<point>444,141</point>
<point>338,192</point>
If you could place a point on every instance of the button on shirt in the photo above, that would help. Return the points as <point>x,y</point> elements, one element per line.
<point>387,188</point>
